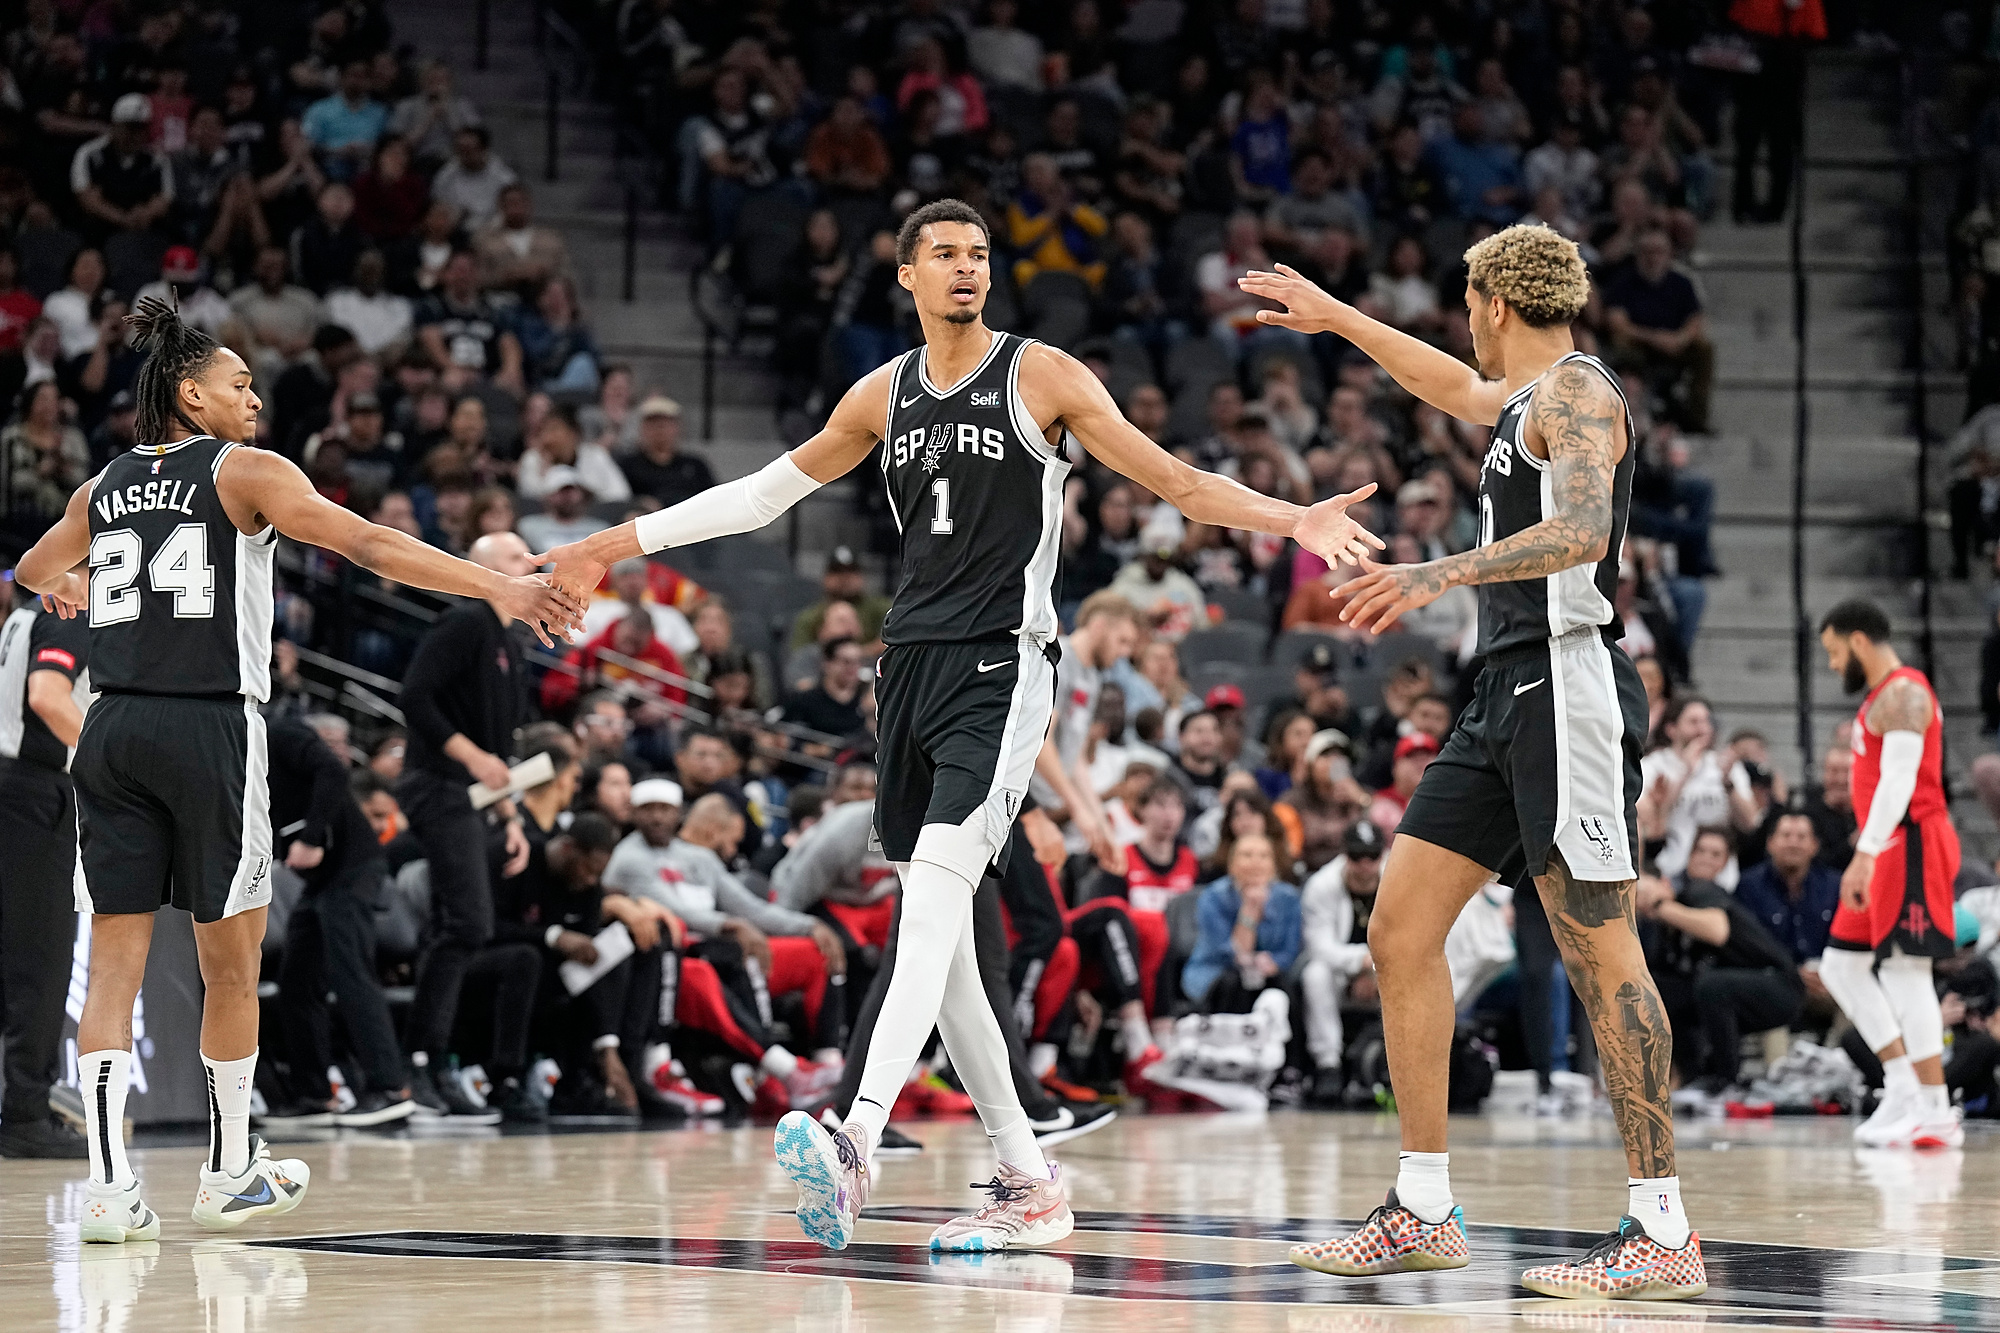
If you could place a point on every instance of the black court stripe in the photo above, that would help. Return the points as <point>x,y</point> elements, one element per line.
<point>104,1118</point>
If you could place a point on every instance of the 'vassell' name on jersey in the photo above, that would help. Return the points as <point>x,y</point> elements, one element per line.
<point>141,497</point>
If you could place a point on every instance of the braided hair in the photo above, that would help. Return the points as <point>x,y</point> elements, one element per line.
<point>174,352</point>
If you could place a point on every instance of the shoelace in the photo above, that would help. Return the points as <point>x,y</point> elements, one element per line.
<point>1604,1251</point>
<point>1002,1193</point>
<point>843,1147</point>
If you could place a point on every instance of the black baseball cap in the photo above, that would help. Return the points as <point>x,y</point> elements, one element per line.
<point>1361,842</point>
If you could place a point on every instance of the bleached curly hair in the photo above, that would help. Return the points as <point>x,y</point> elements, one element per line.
<point>1534,269</point>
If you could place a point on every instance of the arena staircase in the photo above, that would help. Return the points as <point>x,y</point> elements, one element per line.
<point>658,332</point>
<point>1861,480</point>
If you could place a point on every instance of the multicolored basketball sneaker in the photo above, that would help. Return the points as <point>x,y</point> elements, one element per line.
<point>831,1171</point>
<point>1020,1210</point>
<point>1392,1240</point>
<point>1627,1265</point>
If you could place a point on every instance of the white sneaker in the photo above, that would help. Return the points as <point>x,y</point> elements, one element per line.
<point>266,1189</point>
<point>810,1084</point>
<point>1890,1123</point>
<point>114,1214</point>
<point>831,1172</point>
<point>1937,1130</point>
<point>1023,1210</point>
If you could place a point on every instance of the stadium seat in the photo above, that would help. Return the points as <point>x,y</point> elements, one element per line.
<point>1057,306</point>
<point>1232,641</point>
<point>1197,365</point>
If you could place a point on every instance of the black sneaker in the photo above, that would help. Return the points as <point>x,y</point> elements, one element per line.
<point>375,1108</point>
<point>895,1143</point>
<point>518,1105</point>
<point>581,1098</point>
<point>440,1098</point>
<point>1072,1120</point>
<point>47,1138</point>
<point>297,1113</point>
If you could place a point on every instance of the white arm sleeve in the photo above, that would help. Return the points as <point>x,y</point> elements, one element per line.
<point>735,506</point>
<point>1902,752</point>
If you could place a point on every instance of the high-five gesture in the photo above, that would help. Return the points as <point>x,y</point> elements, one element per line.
<point>1307,307</point>
<point>1329,532</point>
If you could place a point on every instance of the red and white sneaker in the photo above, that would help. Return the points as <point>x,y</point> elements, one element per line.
<point>670,1080</point>
<point>1936,1131</point>
<point>810,1084</point>
<point>1064,1090</point>
<point>1022,1210</point>
<point>927,1094</point>
<point>1627,1265</point>
<point>1392,1240</point>
<point>1139,1072</point>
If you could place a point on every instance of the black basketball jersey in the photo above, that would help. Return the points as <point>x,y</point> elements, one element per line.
<point>34,640</point>
<point>978,496</point>
<point>1516,491</point>
<point>180,601</point>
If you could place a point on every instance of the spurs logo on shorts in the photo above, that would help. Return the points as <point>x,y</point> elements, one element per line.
<point>1600,837</point>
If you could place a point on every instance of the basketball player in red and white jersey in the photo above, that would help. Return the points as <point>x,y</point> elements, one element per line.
<point>1896,906</point>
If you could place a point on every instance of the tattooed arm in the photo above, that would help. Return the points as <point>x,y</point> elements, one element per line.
<point>1576,413</point>
<point>1900,715</point>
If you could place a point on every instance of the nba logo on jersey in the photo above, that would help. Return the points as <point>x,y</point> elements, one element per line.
<point>156,467</point>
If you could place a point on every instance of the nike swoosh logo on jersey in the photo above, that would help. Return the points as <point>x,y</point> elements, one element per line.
<point>907,401</point>
<point>1523,689</point>
<point>995,666</point>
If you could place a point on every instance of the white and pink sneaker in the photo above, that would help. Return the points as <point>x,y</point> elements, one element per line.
<point>1022,1210</point>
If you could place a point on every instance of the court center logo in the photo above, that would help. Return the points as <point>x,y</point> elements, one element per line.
<point>1600,837</point>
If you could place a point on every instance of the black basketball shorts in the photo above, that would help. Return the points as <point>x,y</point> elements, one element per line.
<point>1545,756</point>
<point>958,727</point>
<point>173,797</point>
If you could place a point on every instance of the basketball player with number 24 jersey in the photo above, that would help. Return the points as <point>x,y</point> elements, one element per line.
<point>172,779</point>
<point>971,431</point>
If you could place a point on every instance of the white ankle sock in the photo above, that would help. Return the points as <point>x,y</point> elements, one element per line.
<point>1042,1058</point>
<point>1423,1184</point>
<point>1657,1205</point>
<point>1899,1076</point>
<point>229,1113</point>
<point>103,1077</point>
<point>779,1062</point>
<point>1936,1099</point>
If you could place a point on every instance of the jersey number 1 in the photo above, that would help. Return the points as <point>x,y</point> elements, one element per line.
<point>941,521</point>
<point>180,567</point>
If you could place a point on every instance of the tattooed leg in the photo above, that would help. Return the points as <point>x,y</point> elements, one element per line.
<point>1596,927</point>
<point>1424,887</point>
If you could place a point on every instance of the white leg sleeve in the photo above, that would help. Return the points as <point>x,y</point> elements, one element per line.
<point>1324,1037</point>
<point>1906,981</point>
<point>937,908</point>
<point>1849,975</point>
<point>978,1051</point>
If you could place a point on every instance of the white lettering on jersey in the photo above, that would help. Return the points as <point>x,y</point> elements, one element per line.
<point>1500,457</point>
<point>138,498</point>
<point>931,444</point>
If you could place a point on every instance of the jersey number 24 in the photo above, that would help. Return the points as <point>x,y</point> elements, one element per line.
<point>180,567</point>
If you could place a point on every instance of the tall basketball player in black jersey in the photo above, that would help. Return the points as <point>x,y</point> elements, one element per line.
<point>173,794</point>
<point>971,429</point>
<point>1541,775</point>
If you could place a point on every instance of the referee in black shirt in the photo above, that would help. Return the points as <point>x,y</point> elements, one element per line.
<point>43,686</point>
<point>463,697</point>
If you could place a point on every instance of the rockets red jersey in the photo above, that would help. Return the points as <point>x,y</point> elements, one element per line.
<point>1928,801</point>
<point>1149,887</point>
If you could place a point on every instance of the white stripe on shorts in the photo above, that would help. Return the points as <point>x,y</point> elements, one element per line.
<point>1590,759</point>
<point>251,885</point>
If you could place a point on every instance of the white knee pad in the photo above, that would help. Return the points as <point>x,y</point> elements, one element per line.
<point>1906,980</point>
<point>1849,975</point>
<point>956,848</point>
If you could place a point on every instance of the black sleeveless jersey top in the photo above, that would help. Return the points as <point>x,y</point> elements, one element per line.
<point>978,496</point>
<point>1516,492</point>
<point>180,601</point>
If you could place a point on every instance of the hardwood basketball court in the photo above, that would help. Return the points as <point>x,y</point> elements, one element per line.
<point>1183,1224</point>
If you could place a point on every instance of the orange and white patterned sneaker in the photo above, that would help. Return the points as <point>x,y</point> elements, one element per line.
<point>1392,1240</point>
<point>1024,1210</point>
<point>1627,1265</point>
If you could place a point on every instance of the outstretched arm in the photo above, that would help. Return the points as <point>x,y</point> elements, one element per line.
<point>1576,413</point>
<point>1056,386</point>
<point>742,505</point>
<point>256,481</point>
<point>1441,380</point>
